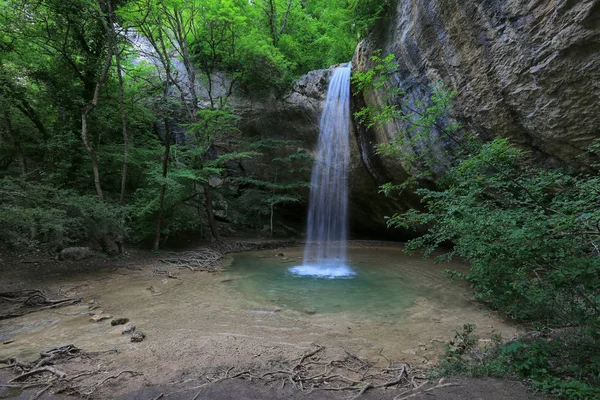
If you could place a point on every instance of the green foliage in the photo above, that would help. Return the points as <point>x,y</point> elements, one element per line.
<point>281,173</point>
<point>365,13</point>
<point>551,365</point>
<point>422,120</point>
<point>531,237</point>
<point>35,215</point>
<point>530,234</point>
<point>52,55</point>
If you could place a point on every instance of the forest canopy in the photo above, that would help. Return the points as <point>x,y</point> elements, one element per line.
<point>112,124</point>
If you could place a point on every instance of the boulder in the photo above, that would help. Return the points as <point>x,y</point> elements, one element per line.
<point>75,253</point>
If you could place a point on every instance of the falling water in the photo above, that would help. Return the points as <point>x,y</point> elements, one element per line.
<point>325,251</point>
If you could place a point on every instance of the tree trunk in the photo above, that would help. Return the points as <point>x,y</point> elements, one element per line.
<point>210,212</point>
<point>273,204</point>
<point>271,222</point>
<point>33,116</point>
<point>84,114</point>
<point>285,17</point>
<point>17,143</point>
<point>115,49</point>
<point>90,151</point>
<point>272,14</point>
<point>163,186</point>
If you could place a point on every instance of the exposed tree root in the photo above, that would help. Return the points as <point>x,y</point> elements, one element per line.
<point>405,395</point>
<point>199,260</point>
<point>90,392</point>
<point>28,301</point>
<point>309,373</point>
<point>43,372</point>
<point>208,258</point>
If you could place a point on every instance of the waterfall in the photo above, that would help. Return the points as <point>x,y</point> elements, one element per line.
<point>327,225</point>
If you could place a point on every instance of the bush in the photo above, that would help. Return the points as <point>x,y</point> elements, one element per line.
<point>531,236</point>
<point>545,362</point>
<point>35,215</point>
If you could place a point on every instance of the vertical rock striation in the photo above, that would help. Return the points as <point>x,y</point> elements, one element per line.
<point>527,70</point>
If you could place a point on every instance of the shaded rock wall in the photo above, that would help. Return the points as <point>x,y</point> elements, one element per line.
<point>527,70</point>
<point>296,116</point>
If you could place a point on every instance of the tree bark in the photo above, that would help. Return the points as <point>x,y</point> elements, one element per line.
<point>33,116</point>
<point>163,185</point>
<point>115,49</point>
<point>272,14</point>
<point>210,212</point>
<point>91,153</point>
<point>271,221</point>
<point>84,126</point>
<point>17,143</point>
<point>285,17</point>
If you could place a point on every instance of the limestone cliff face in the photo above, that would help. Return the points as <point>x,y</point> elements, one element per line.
<point>527,70</point>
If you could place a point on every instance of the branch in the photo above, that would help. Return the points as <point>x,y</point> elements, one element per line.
<point>285,17</point>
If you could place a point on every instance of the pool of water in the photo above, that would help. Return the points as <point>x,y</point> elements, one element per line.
<point>375,282</point>
<point>257,310</point>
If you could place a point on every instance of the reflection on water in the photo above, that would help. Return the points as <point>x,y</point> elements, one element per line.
<point>375,282</point>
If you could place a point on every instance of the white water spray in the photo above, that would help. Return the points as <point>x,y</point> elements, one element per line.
<point>327,228</point>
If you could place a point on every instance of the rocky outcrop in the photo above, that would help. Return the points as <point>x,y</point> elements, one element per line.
<point>527,70</point>
<point>296,116</point>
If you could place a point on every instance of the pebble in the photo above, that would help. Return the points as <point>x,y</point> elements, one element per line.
<point>100,317</point>
<point>127,329</point>
<point>119,321</point>
<point>137,337</point>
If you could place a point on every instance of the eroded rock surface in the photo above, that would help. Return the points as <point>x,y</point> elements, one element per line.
<point>524,70</point>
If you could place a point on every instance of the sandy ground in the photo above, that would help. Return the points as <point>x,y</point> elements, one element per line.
<point>197,326</point>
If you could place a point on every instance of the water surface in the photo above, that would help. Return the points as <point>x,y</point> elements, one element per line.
<point>377,282</point>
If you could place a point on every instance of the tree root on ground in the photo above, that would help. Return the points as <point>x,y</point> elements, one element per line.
<point>207,258</point>
<point>199,260</point>
<point>352,374</point>
<point>44,372</point>
<point>28,301</point>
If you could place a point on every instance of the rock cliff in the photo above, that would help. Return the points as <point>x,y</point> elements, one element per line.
<point>527,70</point>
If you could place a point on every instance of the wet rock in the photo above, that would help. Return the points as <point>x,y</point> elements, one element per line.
<point>119,321</point>
<point>137,337</point>
<point>75,254</point>
<point>310,312</point>
<point>128,329</point>
<point>100,317</point>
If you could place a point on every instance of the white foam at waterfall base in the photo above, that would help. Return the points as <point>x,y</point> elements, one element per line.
<point>327,223</point>
<point>323,271</point>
